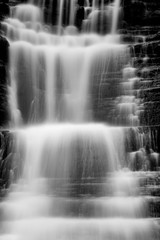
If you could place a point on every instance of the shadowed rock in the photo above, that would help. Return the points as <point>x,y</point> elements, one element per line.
<point>4,9</point>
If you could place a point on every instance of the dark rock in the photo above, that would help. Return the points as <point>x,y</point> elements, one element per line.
<point>81,2</point>
<point>157,50</point>
<point>149,72</point>
<point>136,50</point>
<point>4,110</point>
<point>4,115</point>
<point>4,1</point>
<point>149,49</point>
<point>6,158</point>
<point>151,115</point>
<point>123,31</point>
<point>152,18</point>
<point>127,38</point>
<point>126,3</point>
<point>3,50</point>
<point>79,17</point>
<point>155,37</point>
<point>3,75</point>
<point>134,12</point>
<point>4,10</point>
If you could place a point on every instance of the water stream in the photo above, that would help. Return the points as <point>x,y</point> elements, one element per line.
<point>71,181</point>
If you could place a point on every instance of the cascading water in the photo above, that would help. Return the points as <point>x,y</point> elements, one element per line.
<point>70,179</point>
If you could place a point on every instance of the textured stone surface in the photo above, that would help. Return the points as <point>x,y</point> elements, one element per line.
<point>142,20</point>
<point>6,160</point>
<point>3,81</point>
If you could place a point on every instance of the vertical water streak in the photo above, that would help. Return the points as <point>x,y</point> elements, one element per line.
<point>115,16</point>
<point>50,94</point>
<point>87,4</point>
<point>60,17</point>
<point>14,108</point>
<point>72,12</point>
<point>75,69</point>
<point>102,5</point>
<point>21,58</point>
<point>94,16</point>
<point>43,4</point>
<point>35,103</point>
<point>94,5</point>
<point>102,15</point>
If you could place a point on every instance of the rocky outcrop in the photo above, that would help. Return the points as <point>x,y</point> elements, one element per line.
<point>142,32</point>
<point>146,59</point>
<point>4,12</point>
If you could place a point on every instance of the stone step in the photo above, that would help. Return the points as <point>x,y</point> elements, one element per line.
<point>140,62</point>
<point>151,49</point>
<point>151,114</point>
<point>150,94</point>
<point>115,184</point>
<point>27,205</point>
<point>86,229</point>
<point>140,30</point>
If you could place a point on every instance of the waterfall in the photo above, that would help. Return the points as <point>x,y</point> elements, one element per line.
<point>71,177</point>
<point>67,72</point>
<point>69,7</point>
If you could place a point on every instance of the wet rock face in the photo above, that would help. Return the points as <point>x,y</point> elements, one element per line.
<point>4,12</point>
<point>146,59</point>
<point>142,32</point>
<point>6,160</point>
<point>134,12</point>
<point>142,12</point>
<point>3,81</point>
<point>4,50</point>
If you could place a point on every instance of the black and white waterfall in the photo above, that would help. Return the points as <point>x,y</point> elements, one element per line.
<point>76,175</point>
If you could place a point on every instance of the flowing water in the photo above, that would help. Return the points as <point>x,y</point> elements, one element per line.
<point>70,179</point>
